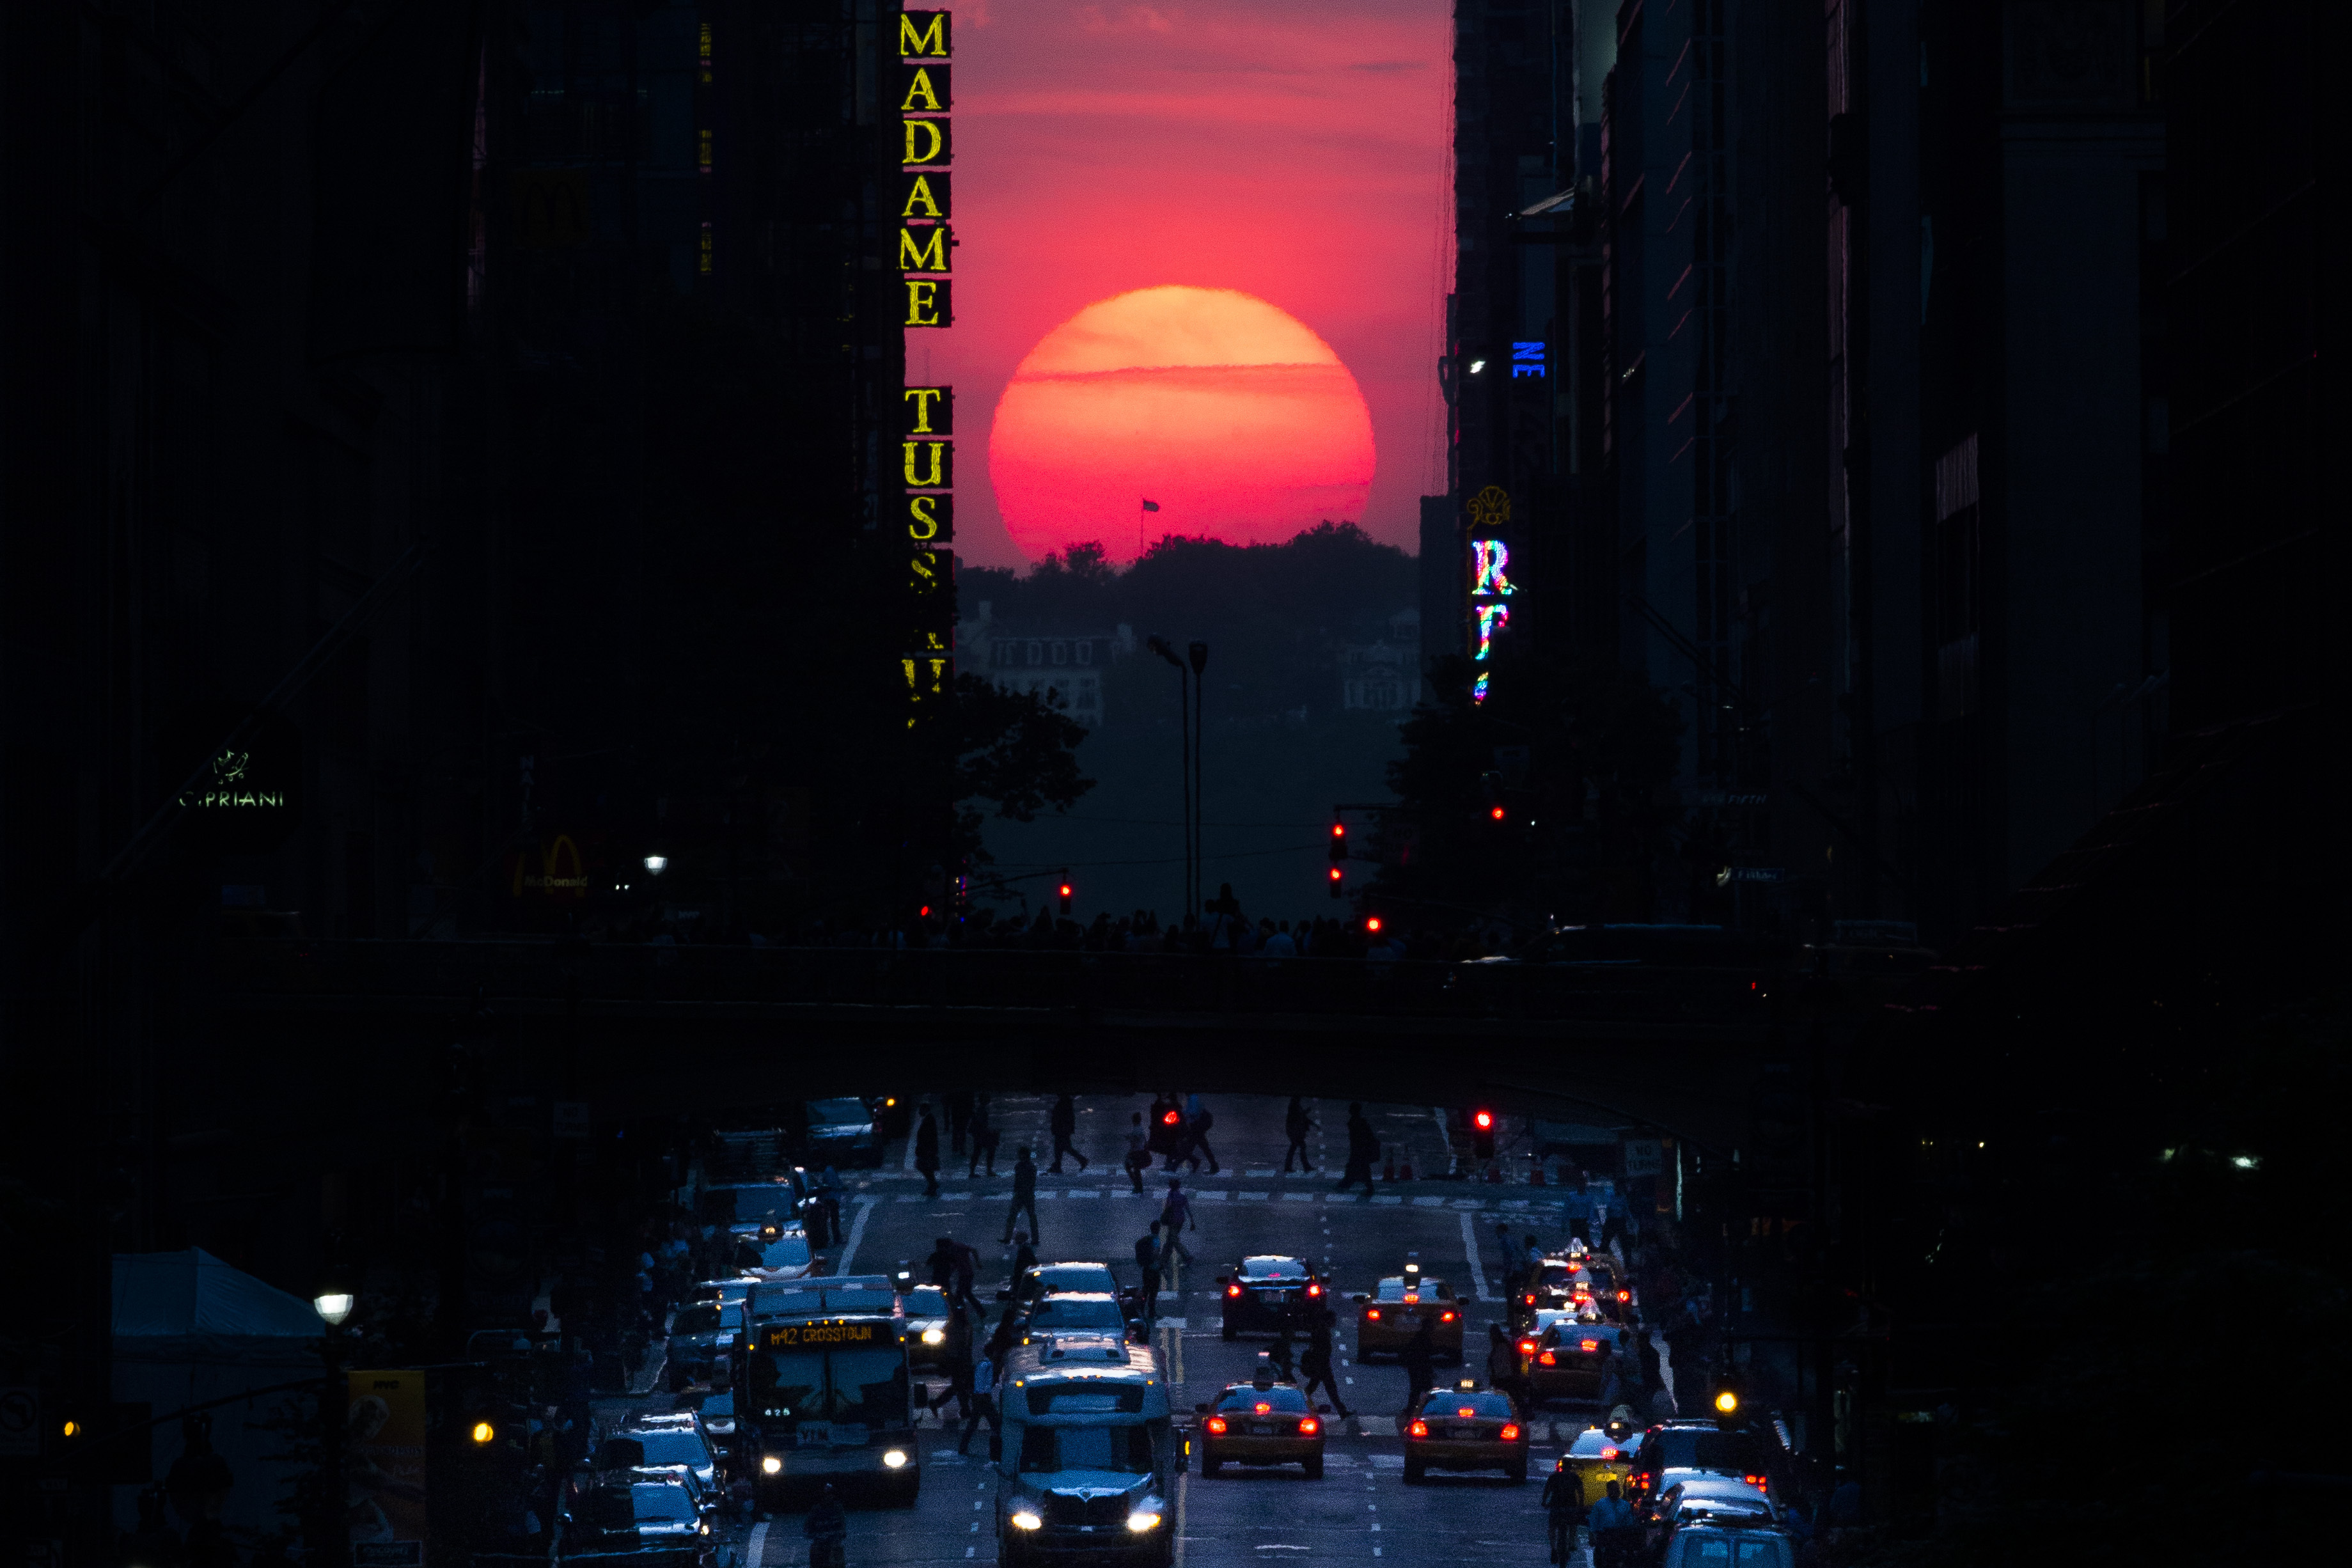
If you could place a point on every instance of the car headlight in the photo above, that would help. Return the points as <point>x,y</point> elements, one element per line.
<point>1023,1520</point>
<point>772,1466</point>
<point>896,1459</point>
<point>1142,1520</point>
<point>935,1336</point>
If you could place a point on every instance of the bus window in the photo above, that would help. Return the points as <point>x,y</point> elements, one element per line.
<point>787,1387</point>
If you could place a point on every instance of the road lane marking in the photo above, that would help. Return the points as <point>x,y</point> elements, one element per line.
<point>857,1235</point>
<point>756,1545</point>
<point>1252,1197</point>
<point>1437,1202</point>
<point>1470,1247</point>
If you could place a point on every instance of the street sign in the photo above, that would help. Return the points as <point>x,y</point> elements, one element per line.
<point>1641,1157</point>
<point>1751,874</point>
<point>20,1423</point>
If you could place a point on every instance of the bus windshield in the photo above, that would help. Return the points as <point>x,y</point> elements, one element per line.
<point>853,1383</point>
<point>1124,1449</point>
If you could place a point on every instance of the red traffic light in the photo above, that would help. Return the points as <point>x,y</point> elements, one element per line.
<point>1495,812</point>
<point>1335,873</point>
<point>1371,923</point>
<point>1065,889</point>
<point>1484,1120</point>
<point>1339,830</point>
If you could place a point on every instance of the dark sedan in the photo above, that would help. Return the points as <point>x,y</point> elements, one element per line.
<point>842,1133</point>
<point>1267,1294</point>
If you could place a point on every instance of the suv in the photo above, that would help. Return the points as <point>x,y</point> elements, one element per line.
<point>1675,1451</point>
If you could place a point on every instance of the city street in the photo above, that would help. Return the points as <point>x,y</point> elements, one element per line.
<point>1361,1510</point>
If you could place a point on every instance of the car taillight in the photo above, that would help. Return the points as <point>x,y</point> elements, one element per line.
<point>1371,1314</point>
<point>1511,1432</point>
<point>1531,1300</point>
<point>1418,1429</point>
<point>1759,1482</point>
<point>1314,1290</point>
<point>1308,1426</point>
<point>1261,1408</point>
<point>1445,1317</point>
<point>1526,1347</point>
<point>1546,1359</point>
<point>1588,1346</point>
<point>1217,1424</point>
<point>1233,1290</point>
<point>1624,1295</point>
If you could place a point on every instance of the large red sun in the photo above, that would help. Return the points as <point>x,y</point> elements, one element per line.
<point>1227,411</point>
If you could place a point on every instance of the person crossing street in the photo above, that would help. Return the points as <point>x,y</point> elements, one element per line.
<point>1315,1364</point>
<point>1175,1219</point>
<point>926,1152</point>
<point>1146,1261</point>
<point>1363,1147</point>
<point>1295,1125</point>
<point>1138,1151</point>
<point>1024,1195</point>
<point>1064,1124</point>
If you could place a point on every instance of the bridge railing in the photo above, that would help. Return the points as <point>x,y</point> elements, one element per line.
<point>994,979</point>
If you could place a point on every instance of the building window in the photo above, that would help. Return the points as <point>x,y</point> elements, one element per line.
<point>1086,651</point>
<point>1061,653</point>
<point>1037,653</point>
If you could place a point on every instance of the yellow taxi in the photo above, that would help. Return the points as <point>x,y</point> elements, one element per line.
<point>1596,1458</point>
<point>1262,1422</point>
<point>1464,1428</point>
<point>1569,1359</point>
<point>1391,1315</point>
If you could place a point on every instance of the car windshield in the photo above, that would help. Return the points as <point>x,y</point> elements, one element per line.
<point>1289,1400</point>
<point>1691,1449</point>
<point>1470,1406</point>
<point>1429,1289</point>
<point>1063,1314</point>
<point>1557,1274</point>
<point>927,1301</point>
<point>695,1321</point>
<point>1593,1442</point>
<point>1047,1449</point>
<point>673,1448</point>
<point>1273,1268</point>
<point>661,1501</point>
<point>718,1405</point>
<point>1584,1337</point>
<point>838,1113</point>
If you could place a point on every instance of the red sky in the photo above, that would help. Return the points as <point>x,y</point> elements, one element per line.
<point>1292,150</point>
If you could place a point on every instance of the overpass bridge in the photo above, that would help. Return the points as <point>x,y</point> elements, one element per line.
<point>639,1029</point>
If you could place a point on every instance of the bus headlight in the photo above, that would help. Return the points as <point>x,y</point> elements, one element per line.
<point>1142,1520</point>
<point>772,1466</point>
<point>896,1459</point>
<point>1024,1519</point>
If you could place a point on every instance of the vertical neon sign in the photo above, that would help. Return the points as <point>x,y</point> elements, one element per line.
<point>926,261</point>
<point>1490,580</point>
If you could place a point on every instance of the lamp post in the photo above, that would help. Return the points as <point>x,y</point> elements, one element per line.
<point>1199,656</point>
<point>1184,767</point>
<point>334,1302</point>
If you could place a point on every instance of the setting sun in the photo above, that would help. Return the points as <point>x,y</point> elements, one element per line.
<point>1230,413</point>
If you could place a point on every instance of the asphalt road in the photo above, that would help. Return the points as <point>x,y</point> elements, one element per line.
<point>1361,1512</point>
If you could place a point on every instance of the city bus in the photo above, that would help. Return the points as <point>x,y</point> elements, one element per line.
<point>823,1390</point>
<point>1090,1457</point>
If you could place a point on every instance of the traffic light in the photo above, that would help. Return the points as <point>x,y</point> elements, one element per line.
<point>1063,887</point>
<point>1338,854</point>
<point>1371,925</point>
<point>1338,889</point>
<point>1495,810</point>
<point>1482,1135</point>
<point>1724,1395</point>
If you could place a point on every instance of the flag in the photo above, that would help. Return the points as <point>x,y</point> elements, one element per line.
<point>1151,506</point>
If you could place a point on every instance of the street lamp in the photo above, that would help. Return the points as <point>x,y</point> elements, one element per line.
<point>1184,768</point>
<point>334,1302</point>
<point>657,864</point>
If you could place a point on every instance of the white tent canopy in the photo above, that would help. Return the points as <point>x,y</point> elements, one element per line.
<point>177,1306</point>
